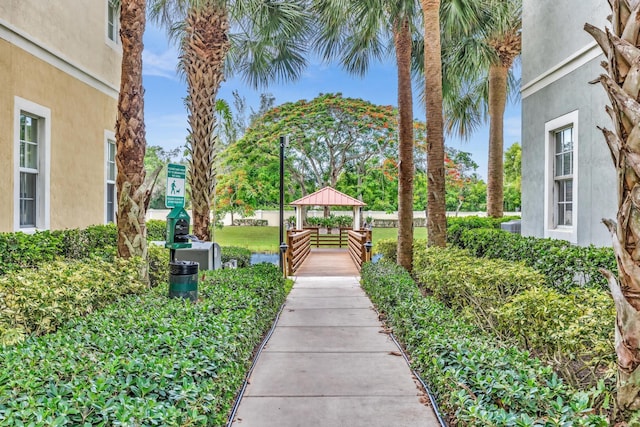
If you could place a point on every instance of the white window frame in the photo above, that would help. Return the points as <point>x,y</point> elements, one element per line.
<point>109,137</point>
<point>115,42</point>
<point>552,230</point>
<point>43,196</point>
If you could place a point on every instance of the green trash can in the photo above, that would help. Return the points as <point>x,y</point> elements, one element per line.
<point>183,280</point>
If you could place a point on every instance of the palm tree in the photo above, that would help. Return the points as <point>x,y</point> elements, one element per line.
<point>436,211</point>
<point>356,32</point>
<point>133,192</point>
<point>477,64</point>
<point>269,45</point>
<point>622,50</point>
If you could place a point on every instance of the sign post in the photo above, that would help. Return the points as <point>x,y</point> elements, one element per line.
<point>176,175</point>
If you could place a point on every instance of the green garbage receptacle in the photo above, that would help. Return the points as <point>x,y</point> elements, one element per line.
<point>183,280</point>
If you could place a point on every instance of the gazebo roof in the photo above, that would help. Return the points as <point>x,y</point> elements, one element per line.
<point>327,197</point>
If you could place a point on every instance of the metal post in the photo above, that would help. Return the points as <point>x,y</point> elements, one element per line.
<point>282,143</point>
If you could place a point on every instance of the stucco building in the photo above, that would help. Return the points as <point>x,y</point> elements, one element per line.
<point>59,78</point>
<point>568,179</point>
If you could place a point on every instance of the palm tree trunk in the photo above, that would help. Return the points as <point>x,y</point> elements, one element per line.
<point>204,49</point>
<point>133,196</point>
<point>436,205</point>
<point>497,102</point>
<point>402,41</point>
<point>620,46</point>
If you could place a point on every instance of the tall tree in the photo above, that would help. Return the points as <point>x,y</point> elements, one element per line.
<point>269,46</point>
<point>356,36</point>
<point>133,192</point>
<point>622,52</point>
<point>436,203</point>
<point>477,61</point>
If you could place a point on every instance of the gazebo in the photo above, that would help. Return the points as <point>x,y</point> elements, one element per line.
<point>328,196</point>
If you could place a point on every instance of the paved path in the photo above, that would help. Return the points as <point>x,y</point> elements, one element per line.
<point>329,364</point>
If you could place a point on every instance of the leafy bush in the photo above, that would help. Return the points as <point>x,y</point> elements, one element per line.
<point>574,331</point>
<point>476,380</point>
<point>388,248</point>
<point>473,286</point>
<point>158,265</point>
<point>39,301</point>
<point>457,225</point>
<point>20,250</point>
<point>93,241</point>
<point>156,229</point>
<point>242,255</point>
<point>564,265</point>
<point>147,360</point>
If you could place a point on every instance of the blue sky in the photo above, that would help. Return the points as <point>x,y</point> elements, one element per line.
<point>166,116</point>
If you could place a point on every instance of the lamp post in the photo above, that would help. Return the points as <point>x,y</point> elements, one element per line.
<point>368,245</point>
<point>283,245</point>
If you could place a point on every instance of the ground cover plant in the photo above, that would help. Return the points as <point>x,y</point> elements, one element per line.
<point>147,360</point>
<point>477,380</point>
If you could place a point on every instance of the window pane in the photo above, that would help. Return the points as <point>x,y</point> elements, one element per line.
<point>558,142</point>
<point>568,191</point>
<point>30,158</point>
<point>561,216</point>
<point>566,164</point>
<point>112,172</point>
<point>30,129</point>
<point>111,197</point>
<point>112,151</point>
<point>558,170</point>
<point>28,183</point>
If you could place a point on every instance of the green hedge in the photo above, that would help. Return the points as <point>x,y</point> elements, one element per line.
<point>242,255</point>
<point>38,301</point>
<point>156,229</point>
<point>564,265</point>
<point>573,332</point>
<point>251,222</point>
<point>476,380</point>
<point>147,360</point>
<point>457,225</point>
<point>472,285</point>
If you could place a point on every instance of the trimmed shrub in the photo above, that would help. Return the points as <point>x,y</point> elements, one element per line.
<point>20,250</point>
<point>242,255</point>
<point>564,265</point>
<point>156,229</point>
<point>40,301</point>
<point>148,360</point>
<point>94,241</point>
<point>473,286</point>
<point>457,225</point>
<point>158,265</point>
<point>476,380</point>
<point>388,248</point>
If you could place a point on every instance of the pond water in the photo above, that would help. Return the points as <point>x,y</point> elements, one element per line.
<point>257,258</point>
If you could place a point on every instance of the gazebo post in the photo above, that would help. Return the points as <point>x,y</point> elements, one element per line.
<point>299,223</point>
<point>356,217</point>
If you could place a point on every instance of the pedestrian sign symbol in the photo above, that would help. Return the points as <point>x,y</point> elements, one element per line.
<point>176,175</point>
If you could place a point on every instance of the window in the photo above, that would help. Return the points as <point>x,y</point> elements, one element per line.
<point>560,171</point>
<point>110,191</point>
<point>32,157</point>
<point>113,20</point>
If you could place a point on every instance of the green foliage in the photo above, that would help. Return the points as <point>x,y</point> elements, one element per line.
<point>476,380</point>
<point>156,229</point>
<point>19,250</point>
<point>388,248</point>
<point>158,265</point>
<point>242,255</point>
<point>39,301</point>
<point>563,264</point>
<point>574,331</point>
<point>476,287</point>
<point>148,360</point>
<point>251,222</point>
<point>457,225</point>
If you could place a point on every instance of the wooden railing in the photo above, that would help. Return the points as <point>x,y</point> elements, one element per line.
<point>299,243</point>
<point>339,238</point>
<point>357,248</point>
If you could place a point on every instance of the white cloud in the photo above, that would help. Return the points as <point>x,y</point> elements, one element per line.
<point>161,64</point>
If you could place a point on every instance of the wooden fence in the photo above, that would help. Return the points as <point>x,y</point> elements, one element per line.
<point>299,243</point>
<point>357,248</point>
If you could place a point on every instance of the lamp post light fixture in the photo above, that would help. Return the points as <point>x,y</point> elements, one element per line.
<point>368,245</point>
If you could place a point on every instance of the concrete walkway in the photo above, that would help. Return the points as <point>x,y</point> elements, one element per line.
<point>328,363</point>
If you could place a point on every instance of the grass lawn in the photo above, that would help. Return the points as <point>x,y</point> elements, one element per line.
<point>265,239</point>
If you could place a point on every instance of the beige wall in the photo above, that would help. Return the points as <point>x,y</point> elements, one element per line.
<point>80,114</point>
<point>71,29</point>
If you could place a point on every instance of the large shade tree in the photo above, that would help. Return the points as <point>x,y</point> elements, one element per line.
<point>262,40</point>
<point>478,78</point>
<point>133,191</point>
<point>622,83</point>
<point>365,31</point>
